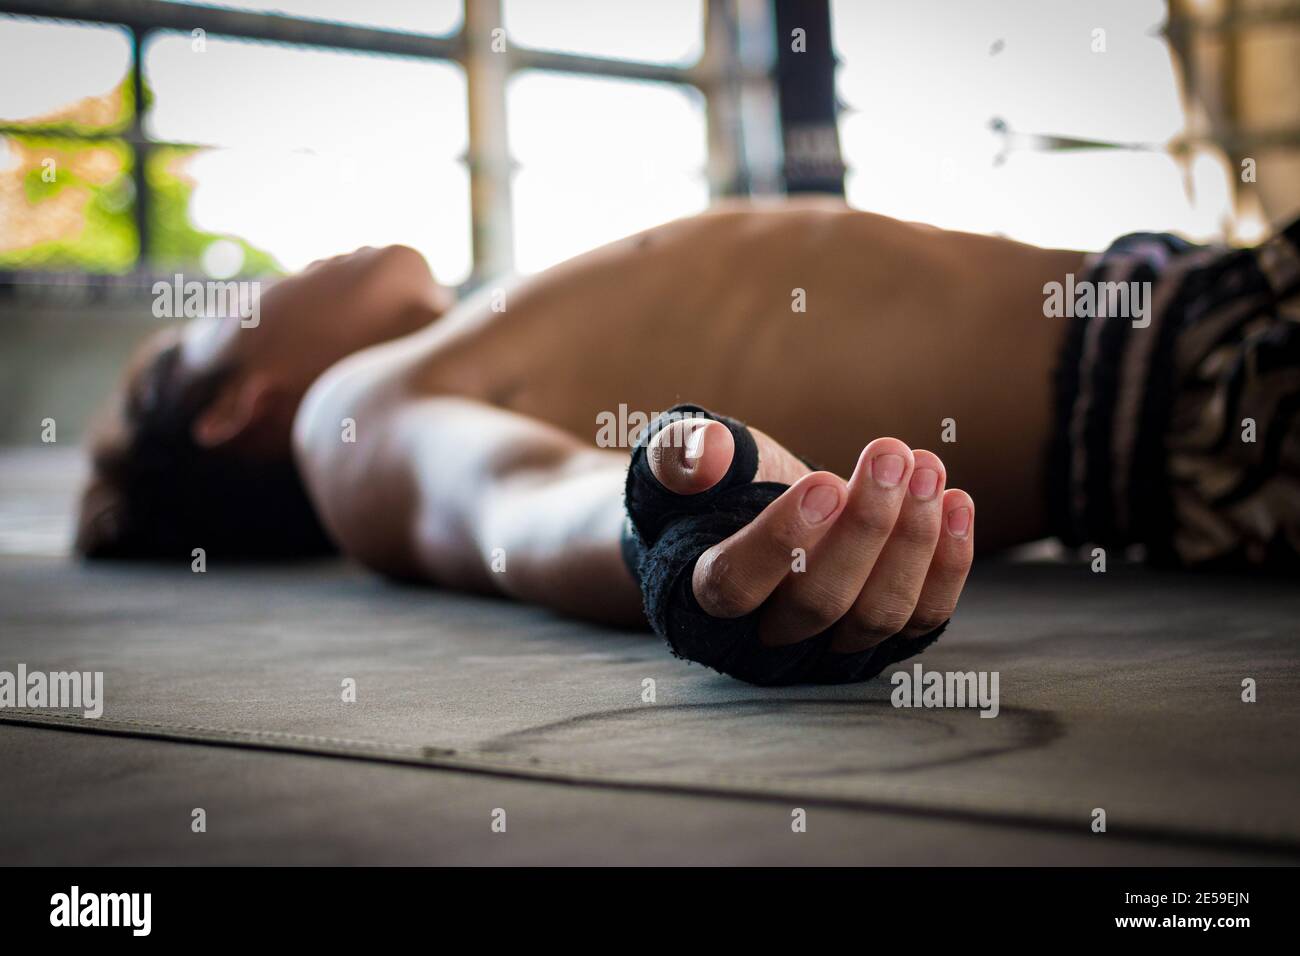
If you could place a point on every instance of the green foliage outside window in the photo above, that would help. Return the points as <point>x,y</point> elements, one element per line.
<point>69,203</point>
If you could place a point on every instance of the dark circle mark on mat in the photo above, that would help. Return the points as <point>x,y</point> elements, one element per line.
<point>1243,833</point>
<point>781,738</point>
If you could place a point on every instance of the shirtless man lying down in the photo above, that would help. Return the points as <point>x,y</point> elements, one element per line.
<point>457,443</point>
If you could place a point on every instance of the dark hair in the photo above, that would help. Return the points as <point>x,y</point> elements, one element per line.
<point>160,495</point>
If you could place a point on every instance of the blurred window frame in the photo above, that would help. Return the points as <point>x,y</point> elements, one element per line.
<point>736,74</point>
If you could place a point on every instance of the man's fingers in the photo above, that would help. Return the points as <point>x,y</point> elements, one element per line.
<point>885,604</point>
<point>884,554</point>
<point>737,575</point>
<point>952,559</point>
<point>808,603</point>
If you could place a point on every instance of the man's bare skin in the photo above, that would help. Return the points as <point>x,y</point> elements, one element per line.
<point>458,444</point>
<point>476,433</point>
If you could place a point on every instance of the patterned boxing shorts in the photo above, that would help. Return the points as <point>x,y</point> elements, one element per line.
<point>1177,403</point>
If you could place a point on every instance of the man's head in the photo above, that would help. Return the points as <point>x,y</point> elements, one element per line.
<point>194,450</point>
<point>163,485</point>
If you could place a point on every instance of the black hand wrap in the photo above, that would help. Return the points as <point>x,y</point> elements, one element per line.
<point>667,534</point>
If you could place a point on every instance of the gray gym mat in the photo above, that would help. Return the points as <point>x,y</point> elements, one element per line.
<point>1119,691</point>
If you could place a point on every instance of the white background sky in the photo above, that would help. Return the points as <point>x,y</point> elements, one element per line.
<point>319,151</point>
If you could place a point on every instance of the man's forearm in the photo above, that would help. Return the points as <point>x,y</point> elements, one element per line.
<point>458,492</point>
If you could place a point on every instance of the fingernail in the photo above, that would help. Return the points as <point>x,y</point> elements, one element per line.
<point>924,483</point>
<point>694,446</point>
<point>888,469</point>
<point>819,502</point>
<point>959,522</point>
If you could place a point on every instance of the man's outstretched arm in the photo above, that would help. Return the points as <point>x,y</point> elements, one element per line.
<point>467,495</point>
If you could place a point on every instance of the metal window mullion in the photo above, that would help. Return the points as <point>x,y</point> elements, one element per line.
<point>487,73</point>
<point>149,15</point>
<point>140,147</point>
<point>726,173</point>
<point>745,155</point>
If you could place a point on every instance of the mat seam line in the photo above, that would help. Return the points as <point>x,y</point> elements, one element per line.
<point>765,788</point>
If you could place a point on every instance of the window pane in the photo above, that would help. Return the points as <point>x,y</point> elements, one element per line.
<point>925,80</point>
<point>65,204</point>
<point>294,207</point>
<point>64,73</point>
<point>236,93</point>
<point>412,16</point>
<point>1030,62</point>
<point>558,120</point>
<point>176,241</point>
<point>652,31</point>
<point>1064,200</point>
<point>556,220</point>
<point>321,151</point>
<point>600,159</point>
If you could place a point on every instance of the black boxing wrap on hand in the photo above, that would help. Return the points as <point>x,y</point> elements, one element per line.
<point>665,537</point>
